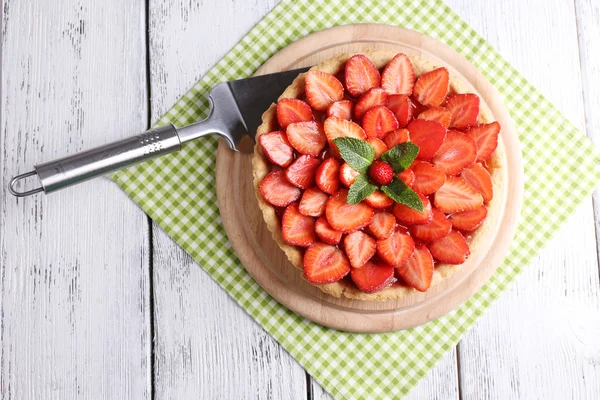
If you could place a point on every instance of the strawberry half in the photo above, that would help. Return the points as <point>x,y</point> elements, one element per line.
<point>408,176</point>
<point>398,76</point>
<point>341,109</point>
<point>431,87</point>
<point>297,229</point>
<point>417,271</point>
<point>372,98</point>
<point>346,217</point>
<point>468,220</point>
<point>486,138</point>
<point>436,229</point>
<point>453,249</point>
<point>383,224</point>
<point>428,177</point>
<point>428,135</point>
<point>456,153</point>
<point>464,109</point>
<point>456,195</point>
<point>396,137</point>
<point>326,233</point>
<point>277,148</point>
<point>322,89</point>
<point>348,174</point>
<point>336,127</point>
<point>307,137</point>
<point>378,121</point>
<point>400,105</point>
<point>396,249</point>
<point>379,200</point>
<point>437,114</point>
<point>378,145</point>
<point>277,190</point>
<point>313,202</point>
<point>360,75</point>
<point>302,171</point>
<point>292,110</point>
<point>479,177</point>
<point>328,176</point>
<point>324,263</point>
<point>373,276</point>
<point>359,247</point>
<point>407,216</point>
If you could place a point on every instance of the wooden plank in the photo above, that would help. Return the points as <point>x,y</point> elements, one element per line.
<point>205,345</point>
<point>538,341</point>
<point>74,265</point>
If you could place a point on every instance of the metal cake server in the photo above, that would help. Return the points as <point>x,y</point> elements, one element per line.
<point>235,114</point>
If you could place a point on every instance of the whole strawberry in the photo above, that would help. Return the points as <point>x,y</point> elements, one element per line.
<point>381,173</point>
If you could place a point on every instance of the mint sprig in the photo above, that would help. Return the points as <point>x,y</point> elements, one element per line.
<point>360,189</point>
<point>399,191</point>
<point>357,153</point>
<point>401,156</point>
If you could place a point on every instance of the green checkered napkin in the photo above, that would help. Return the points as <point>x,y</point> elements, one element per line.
<point>178,192</point>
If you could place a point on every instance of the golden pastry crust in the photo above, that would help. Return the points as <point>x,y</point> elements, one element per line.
<point>260,168</point>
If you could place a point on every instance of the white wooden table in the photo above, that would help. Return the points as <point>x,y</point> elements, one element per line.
<point>97,302</point>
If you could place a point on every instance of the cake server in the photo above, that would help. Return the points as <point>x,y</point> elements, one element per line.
<point>236,109</point>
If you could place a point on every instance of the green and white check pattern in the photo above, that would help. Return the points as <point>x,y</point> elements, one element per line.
<point>178,192</point>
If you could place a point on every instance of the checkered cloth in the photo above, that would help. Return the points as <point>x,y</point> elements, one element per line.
<point>178,192</point>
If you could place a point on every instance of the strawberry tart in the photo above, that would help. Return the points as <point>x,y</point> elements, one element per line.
<point>376,174</point>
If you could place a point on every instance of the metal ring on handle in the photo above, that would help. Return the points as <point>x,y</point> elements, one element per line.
<point>13,182</point>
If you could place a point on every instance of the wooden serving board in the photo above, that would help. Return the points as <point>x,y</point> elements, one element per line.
<point>267,263</point>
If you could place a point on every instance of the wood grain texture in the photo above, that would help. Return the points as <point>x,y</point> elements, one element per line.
<point>205,345</point>
<point>74,265</point>
<point>536,341</point>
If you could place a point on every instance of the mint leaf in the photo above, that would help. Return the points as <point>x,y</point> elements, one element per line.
<point>360,189</point>
<point>401,156</point>
<point>357,153</point>
<point>399,191</point>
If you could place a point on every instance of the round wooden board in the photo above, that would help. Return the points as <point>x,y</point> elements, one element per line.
<point>267,263</point>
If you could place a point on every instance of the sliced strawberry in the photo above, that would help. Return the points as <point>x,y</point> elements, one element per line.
<point>277,148</point>
<point>335,128</point>
<point>431,87</point>
<point>346,217</point>
<point>324,263</point>
<point>307,137</point>
<point>378,145</point>
<point>277,190</point>
<point>468,220</point>
<point>322,89</point>
<point>297,229</point>
<point>360,75</point>
<point>396,137</point>
<point>341,109</point>
<point>437,114</point>
<point>359,247</point>
<point>456,195</point>
<point>326,233</point>
<point>486,138</point>
<point>383,224</point>
<point>428,135</point>
<point>313,202</point>
<point>464,109</point>
<point>417,271</point>
<point>407,216</point>
<point>373,276</point>
<point>302,171</point>
<point>378,121</point>
<point>348,175</point>
<point>398,76</point>
<point>400,105</point>
<point>428,177</point>
<point>456,153</point>
<point>378,199</point>
<point>479,177</point>
<point>436,229</point>
<point>328,175</point>
<point>372,98</point>
<point>408,176</point>
<point>453,249</point>
<point>292,110</point>
<point>396,249</point>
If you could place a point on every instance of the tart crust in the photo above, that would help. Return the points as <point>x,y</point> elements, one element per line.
<point>260,168</point>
